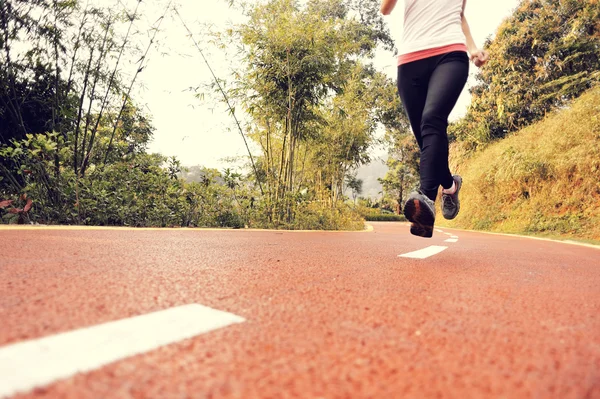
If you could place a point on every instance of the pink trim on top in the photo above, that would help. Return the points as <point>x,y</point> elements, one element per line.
<point>432,52</point>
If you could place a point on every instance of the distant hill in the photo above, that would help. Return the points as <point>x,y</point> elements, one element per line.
<point>369,175</point>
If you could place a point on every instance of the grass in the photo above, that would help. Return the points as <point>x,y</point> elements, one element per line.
<point>543,180</point>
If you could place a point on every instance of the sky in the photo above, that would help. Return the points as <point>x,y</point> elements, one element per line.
<point>200,131</point>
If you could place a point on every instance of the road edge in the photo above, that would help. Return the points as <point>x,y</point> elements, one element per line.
<point>570,242</point>
<point>8,227</point>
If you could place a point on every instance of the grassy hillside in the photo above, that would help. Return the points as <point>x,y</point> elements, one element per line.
<point>543,180</point>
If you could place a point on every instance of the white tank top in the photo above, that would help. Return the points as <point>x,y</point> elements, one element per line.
<point>430,24</point>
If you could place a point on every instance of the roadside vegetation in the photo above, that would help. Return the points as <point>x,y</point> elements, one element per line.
<point>73,137</point>
<point>543,180</point>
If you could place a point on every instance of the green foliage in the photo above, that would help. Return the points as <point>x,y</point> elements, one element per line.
<point>313,99</point>
<point>27,168</point>
<point>384,217</point>
<point>403,164</point>
<point>356,185</point>
<point>140,192</point>
<point>73,142</point>
<point>16,211</point>
<point>543,55</point>
<point>317,216</point>
<point>376,214</point>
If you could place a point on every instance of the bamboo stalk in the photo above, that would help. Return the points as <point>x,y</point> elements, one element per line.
<point>16,111</point>
<point>103,52</point>
<point>80,111</point>
<point>110,82</point>
<point>140,68</point>
<point>226,98</point>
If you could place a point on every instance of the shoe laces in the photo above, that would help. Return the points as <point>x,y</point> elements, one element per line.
<point>448,200</point>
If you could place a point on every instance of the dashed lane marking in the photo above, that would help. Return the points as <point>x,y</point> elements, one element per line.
<point>452,240</point>
<point>424,253</point>
<point>30,364</point>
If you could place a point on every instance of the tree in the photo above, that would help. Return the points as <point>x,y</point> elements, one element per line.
<point>62,95</point>
<point>403,164</point>
<point>356,185</point>
<point>310,97</point>
<point>544,54</point>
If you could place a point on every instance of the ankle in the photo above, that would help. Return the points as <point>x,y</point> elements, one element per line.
<point>450,190</point>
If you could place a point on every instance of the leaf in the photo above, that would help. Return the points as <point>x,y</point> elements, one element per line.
<point>5,203</point>
<point>28,205</point>
<point>15,210</point>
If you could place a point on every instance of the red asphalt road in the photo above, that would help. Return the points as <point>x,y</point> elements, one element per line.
<point>329,315</point>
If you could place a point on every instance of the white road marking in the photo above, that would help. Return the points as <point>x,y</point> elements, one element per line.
<point>452,240</point>
<point>439,231</point>
<point>424,253</point>
<point>30,364</point>
<point>454,237</point>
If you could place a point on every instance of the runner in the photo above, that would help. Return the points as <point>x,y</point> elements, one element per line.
<point>433,67</point>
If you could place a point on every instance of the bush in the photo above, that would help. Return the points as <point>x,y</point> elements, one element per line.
<point>230,219</point>
<point>138,191</point>
<point>319,216</point>
<point>385,218</point>
<point>379,215</point>
<point>143,190</point>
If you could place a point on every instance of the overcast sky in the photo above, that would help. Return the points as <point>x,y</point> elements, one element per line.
<point>200,132</point>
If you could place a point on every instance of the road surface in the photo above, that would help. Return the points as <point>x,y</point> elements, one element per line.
<point>125,313</point>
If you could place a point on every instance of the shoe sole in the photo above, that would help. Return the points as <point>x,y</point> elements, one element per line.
<point>422,221</point>
<point>455,215</point>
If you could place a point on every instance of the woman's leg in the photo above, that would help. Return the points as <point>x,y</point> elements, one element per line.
<point>445,85</point>
<point>413,82</point>
<point>429,90</point>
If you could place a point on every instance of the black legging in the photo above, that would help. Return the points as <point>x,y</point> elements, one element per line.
<point>429,89</point>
